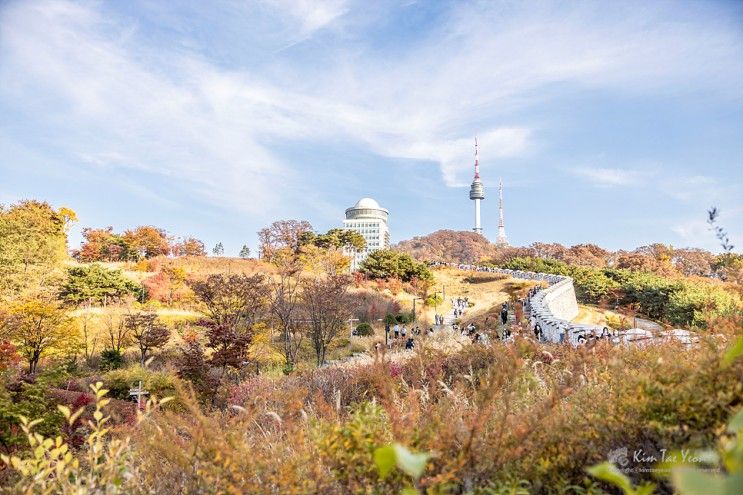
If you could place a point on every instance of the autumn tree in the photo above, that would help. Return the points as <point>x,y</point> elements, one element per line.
<point>232,305</point>
<point>327,307</point>
<point>586,255</point>
<point>119,334</point>
<point>38,328</point>
<point>168,285</point>
<point>189,246</point>
<point>33,245</point>
<point>448,246</point>
<point>147,332</point>
<point>103,245</point>
<point>285,308</point>
<point>192,365</point>
<point>147,241</point>
<point>323,261</point>
<point>281,234</point>
<point>548,251</point>
<point>691,261</point>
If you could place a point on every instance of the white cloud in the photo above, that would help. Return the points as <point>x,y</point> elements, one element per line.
<point>611,177</point>
<point>312,14</point>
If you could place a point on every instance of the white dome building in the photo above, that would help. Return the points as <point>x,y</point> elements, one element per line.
<point>370,220</point>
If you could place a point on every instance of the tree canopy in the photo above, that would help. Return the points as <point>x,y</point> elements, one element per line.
<point>33,244</point>
<point>386,263</point>
<point>96,284</point>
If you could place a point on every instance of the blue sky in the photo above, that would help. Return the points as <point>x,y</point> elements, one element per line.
<point>617,123</point>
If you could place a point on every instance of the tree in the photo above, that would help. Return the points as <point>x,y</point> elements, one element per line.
<point>147,332</point>
<point>232,306</point>
<point>193,366</point>
<point>323,261</point>
<point>334,239</point>
<point>119,335</point>
<point>33,244</point>
<point>281,234</point>
<point>97,284</point>
<point>327,306</point>
<point>385,263</point>
<point>218,249</point>
<point>189,246</point>
<point>448,246</point>
<point>693,261</point>
<point>147,241</point>
<point>168,285</point>
<point>245,252</point>
<point>285,308</point>
<point>38,328</point>
<point>103,245</point>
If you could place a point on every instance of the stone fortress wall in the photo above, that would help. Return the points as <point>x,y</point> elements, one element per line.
<point>554,307</point>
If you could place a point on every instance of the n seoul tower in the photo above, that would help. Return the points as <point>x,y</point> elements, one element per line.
<point>477,191</point>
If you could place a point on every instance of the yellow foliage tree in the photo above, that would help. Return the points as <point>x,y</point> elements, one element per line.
<point>261,351</point>
<point>39,328</point>
<point>318,260</point>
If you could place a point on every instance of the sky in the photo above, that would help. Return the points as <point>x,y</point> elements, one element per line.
<point>616,123</point>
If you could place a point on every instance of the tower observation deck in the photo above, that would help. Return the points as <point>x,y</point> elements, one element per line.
<point>477,191</point>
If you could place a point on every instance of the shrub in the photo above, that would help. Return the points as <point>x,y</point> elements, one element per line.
<point>364,330</point>
<point>111,359</point>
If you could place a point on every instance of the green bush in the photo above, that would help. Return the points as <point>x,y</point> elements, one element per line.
<point>364,330</point>
<point>111,359</point>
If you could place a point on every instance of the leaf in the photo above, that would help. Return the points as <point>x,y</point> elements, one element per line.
<point>412,464</point>
<point>76,415</point>
<point>385,459</point>
<point>608,472</point>
<point>689,481</point>
<point>736,424</point>
<point>64,410</point>
<point>735,351</point>
<point>409,490</point>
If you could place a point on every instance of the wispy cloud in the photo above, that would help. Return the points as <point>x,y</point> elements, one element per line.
<point>106,94</point>
<point>611,177</point>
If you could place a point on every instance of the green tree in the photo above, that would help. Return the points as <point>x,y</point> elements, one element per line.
<point>218,249</point>
<point>386,263</point>
<point>245,252</point>
<point>97,284</point>
<point>33,245</point>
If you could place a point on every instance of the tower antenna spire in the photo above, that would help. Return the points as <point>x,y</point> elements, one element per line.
<point>501,240</point>
<point>477,161</point>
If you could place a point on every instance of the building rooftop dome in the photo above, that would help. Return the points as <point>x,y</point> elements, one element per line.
<point>367,203</point>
